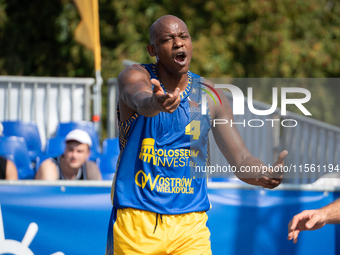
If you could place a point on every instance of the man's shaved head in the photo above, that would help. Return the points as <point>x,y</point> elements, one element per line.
<point>162,21</point>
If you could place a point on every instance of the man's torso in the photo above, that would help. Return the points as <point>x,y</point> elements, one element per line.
<point>159,155</point>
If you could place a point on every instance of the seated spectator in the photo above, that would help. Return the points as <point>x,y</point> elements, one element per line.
<point>74,163</point>
<point>8,170</point>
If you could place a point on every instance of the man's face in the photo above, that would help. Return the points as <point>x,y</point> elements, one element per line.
<point>76,154</point>
<point>172,45</point>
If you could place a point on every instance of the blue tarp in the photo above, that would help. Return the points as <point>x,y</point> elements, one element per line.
<point>73,220</point>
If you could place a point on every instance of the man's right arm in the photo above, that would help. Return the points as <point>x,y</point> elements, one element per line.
<point>333,212</point>
<point>11,171</point>
<point>47,171</point>
<point>136,94</point>
<point>92,171</point>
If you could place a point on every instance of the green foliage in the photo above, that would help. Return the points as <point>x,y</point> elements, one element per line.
<point>234,38</point>
<point>37,39</point>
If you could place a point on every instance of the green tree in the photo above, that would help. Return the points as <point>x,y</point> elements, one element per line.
<point>37,39</point>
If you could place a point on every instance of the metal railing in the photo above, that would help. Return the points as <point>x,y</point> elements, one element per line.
<point>310,142</point>
<point>313,146</point>
<point>45,100</point>
<point>112,100</point>
<point>263,142</point>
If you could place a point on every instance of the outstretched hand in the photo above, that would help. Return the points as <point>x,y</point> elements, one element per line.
<point>272,177</point>
<point>165,102</point>
<point>306,220</point>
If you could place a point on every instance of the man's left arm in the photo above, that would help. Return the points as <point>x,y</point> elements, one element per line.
<point>92,171</point>
<point>232,146</point>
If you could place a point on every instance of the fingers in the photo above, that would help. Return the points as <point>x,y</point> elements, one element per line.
<point>277,170</point>
<point>295,235</point>
<point>157,88</point>
<point>290,230</point>
<point>155,82</point>
<point>293,231</point>
<point>294,222</point>
<point>267,182</point>
<point>271,180</point>
<point>281,157</point>
<point>172,102</point>
<point>306,220</point>
<point>311,223</point>
<point>168,102</point>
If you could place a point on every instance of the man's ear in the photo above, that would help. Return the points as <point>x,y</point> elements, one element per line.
<point>151,50</point>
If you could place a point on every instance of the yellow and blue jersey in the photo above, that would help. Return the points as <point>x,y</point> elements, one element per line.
<point>158,156</point>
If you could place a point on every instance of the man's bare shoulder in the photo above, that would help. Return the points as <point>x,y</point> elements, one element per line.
<point>92,171</point>
<point>92,164</point>
<point>47,170</point>
<point>48,162</point>
<point>11,171</point>
<point>10,164</point>
<point>133,73</point>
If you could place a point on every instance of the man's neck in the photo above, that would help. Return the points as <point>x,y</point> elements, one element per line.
<point>171,81</point>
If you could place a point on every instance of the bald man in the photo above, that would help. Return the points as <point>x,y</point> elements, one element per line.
<point>159,204</point>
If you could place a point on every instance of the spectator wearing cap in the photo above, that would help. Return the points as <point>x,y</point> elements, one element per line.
<point>73,164</point>
<point>8,170</point>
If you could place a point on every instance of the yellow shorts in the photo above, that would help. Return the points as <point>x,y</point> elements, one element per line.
<point>133,231</point>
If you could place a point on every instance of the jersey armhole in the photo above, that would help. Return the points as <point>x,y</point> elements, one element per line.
<point>127,122</point>
<point>124,128</point>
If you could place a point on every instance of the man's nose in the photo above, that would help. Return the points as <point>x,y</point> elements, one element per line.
<point>177,42</point>
<point>74,153</point>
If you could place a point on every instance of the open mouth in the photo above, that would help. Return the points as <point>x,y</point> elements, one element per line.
<point>181,58</point>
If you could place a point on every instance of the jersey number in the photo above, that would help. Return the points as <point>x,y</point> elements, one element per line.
<point>194,129</point>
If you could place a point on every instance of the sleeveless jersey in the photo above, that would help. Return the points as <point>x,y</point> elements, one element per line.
<point>3,164</point>
<point>159,154</point>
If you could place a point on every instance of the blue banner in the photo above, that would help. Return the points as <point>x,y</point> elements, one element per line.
<point>255,222</point>
<point>73,220</point>
<point>70,220</point>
